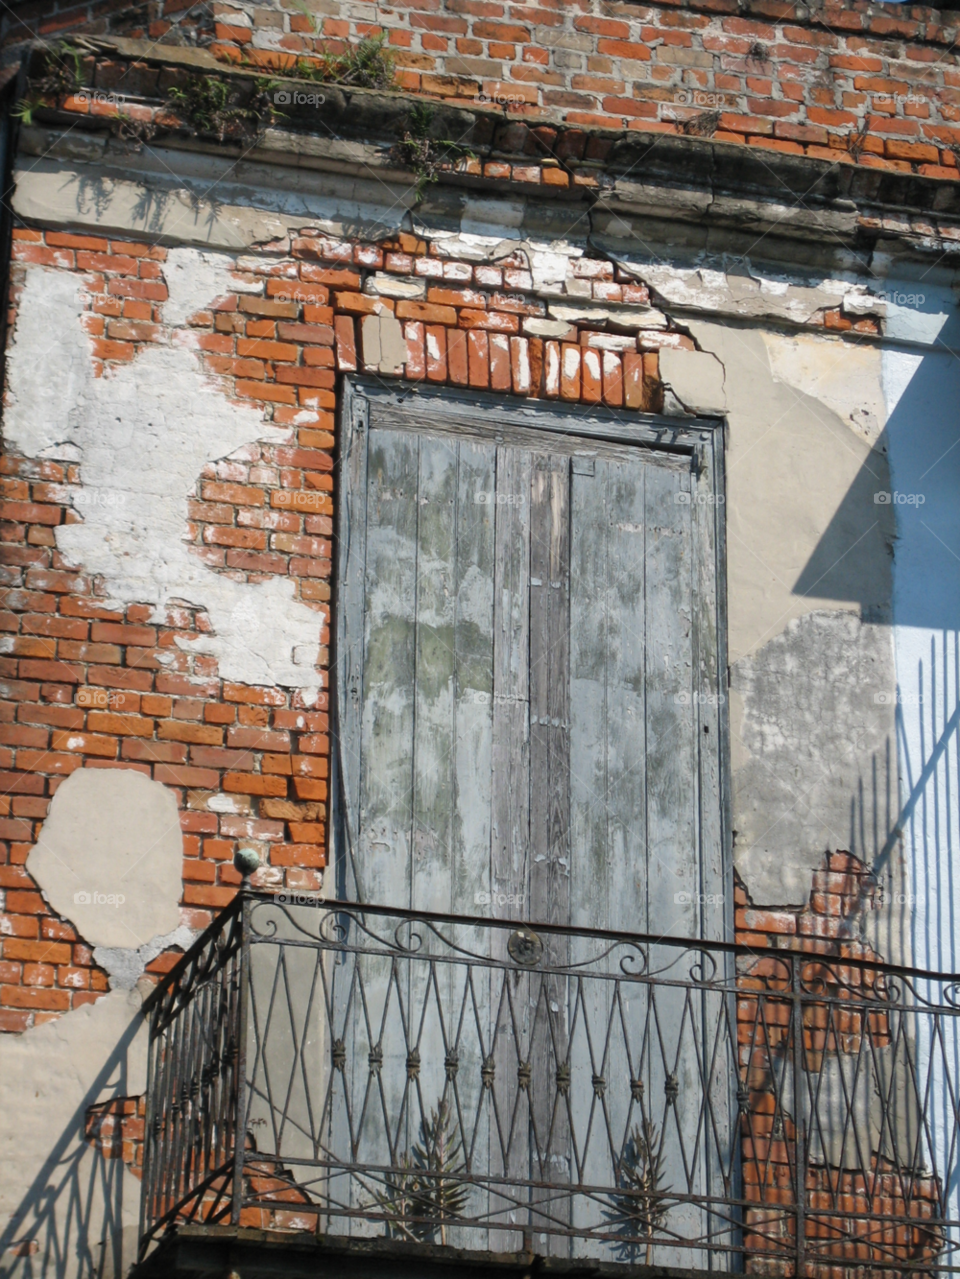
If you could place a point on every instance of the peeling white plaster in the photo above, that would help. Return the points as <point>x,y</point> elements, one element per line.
<point>735,292</point>
<point>143,433</point>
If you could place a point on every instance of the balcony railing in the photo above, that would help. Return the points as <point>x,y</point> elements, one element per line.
<point>359,1071</point>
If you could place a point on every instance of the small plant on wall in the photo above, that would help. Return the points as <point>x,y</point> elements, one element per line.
<point>424,154</point>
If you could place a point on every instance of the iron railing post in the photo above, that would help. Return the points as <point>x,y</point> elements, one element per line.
<point>240,1075</point>
<point>149,1144</point>
<point>800,1144</point>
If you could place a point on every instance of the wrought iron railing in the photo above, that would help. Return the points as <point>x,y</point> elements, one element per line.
<point>360,1071</point>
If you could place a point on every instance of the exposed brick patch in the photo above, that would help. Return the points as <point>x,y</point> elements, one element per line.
<point>116,1129</point>
<point>840,891</point>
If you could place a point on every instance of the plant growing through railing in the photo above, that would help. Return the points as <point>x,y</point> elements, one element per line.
<point>641,1207</point>
<point>428,1192</point>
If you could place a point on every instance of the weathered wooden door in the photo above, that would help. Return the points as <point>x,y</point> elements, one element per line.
<point>528,678</point>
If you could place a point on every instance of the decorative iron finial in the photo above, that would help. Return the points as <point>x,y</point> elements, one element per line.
<point>246,861</point>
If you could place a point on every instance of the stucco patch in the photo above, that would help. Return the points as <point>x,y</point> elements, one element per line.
<point>110,856</point>
<point>695,378</point>
<point>143,433</point>
<point>817,753</point>
<point>803,529</point>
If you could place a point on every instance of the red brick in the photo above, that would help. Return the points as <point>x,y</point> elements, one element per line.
<point>633,379</point>
<point>569,371</point>
<point>612,379</point>
<point>499,362</point>
<point>254,784</point>
<point>346,343</point>
<point>457,356</point>
<point>427,312</point>
<point>479,360</point>
<point>436,349</point>
<point>415,366</point>
<point>497,321</point>
<point>591,376</point>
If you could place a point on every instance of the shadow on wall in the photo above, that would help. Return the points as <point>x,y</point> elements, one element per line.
<point>76,1218</point>
<point>922,444</point>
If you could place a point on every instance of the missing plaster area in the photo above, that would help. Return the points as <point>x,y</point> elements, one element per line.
<point>143,433</point>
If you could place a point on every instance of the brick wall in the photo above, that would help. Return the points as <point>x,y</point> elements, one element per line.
<point>869,83</point>
<point>84,685</point>
<point>873,83</point>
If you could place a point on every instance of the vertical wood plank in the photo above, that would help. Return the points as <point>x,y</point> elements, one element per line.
<point>511,675</point>
<point>389,635</point>
<point>550,821</point>
<point>473,745</point>
<point>351,569</point>
<point>434,747</point>
<point>510,819</point>
<point>670,701</point>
